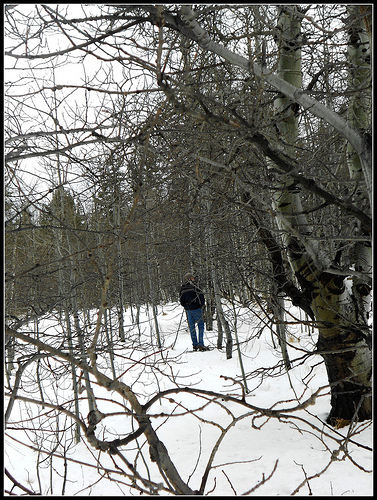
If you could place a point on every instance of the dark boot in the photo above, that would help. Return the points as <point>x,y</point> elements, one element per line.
<point>203,348</point>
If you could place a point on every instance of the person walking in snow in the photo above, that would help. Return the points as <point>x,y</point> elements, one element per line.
<point>192,299</point>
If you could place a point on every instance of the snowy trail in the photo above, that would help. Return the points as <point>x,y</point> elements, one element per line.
<point>254,448</point>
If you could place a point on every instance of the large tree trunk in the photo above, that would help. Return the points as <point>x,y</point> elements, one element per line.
<point>343,332</point>
<point>359,116</point>
<point>346,348</point>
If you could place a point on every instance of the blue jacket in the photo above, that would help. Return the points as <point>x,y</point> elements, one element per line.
<point>191,297</point>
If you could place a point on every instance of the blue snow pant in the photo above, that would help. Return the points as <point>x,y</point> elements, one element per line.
<point>196,316</point>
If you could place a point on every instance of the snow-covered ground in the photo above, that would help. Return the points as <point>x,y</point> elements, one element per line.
<point>260,456</point>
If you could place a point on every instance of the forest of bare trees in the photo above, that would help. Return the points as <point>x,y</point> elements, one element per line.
<point>144,141</point>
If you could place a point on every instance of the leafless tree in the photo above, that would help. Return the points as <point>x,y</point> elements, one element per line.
<point>142,139</point>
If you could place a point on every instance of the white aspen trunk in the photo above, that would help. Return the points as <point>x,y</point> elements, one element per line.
<point>342,341</point>
<point>209,296</point>
<point>192,236</point>
<point>151,260</point>
<point>238,342</point>
<point>347,348</point>
<point>10,342</point>
<point>120,282</point>
<point>110,341</point>
<point>75,382</point>
<point>279,314</point>
<point>286,195</point>
<point>222,323</point>
<point>359,116</point>
<point>341,309</point>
